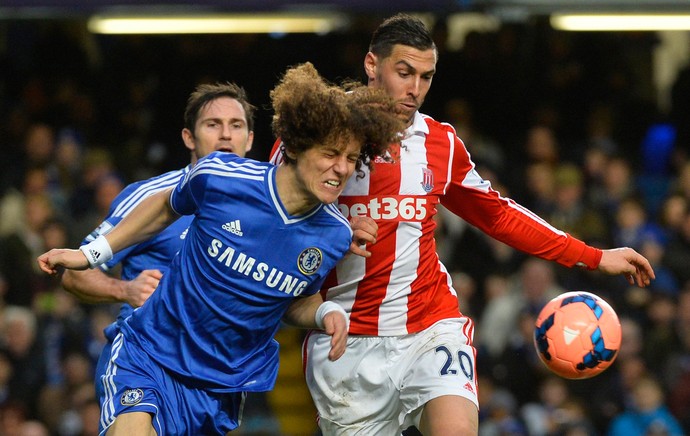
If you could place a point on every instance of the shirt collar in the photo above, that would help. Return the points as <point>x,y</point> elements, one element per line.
<point>418,125</point>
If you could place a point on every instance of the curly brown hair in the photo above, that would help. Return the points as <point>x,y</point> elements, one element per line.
<point>309,112</point>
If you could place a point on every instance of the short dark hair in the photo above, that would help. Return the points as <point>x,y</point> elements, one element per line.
<point>400,29</point>
<point>206,93</point>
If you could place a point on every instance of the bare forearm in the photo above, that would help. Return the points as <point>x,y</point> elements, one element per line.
<point>93,286</point>
<point>146,220</point>
<point>301,313</point>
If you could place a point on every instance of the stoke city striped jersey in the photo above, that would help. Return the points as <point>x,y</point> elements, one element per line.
<point>403,287</point>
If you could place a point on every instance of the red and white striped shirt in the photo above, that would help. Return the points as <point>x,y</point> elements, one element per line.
<point>403,287</point>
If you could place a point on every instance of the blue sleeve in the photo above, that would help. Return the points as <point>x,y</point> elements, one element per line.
<point>103,229</point>
<point>182,198</point>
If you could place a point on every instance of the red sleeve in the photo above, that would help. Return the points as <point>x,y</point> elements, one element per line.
<point>276,156</point>
<point>473,199</point>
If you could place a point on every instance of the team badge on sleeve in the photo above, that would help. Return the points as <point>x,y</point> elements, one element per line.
<point>309,260</point>
<point>131,397</point>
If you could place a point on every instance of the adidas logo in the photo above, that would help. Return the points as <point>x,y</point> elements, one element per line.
<point>233,227</point>
<point>94,254</point>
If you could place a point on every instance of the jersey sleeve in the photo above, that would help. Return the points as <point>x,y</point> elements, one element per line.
<point>103,229</point>
<point>185,197</point>
<point>473,199</point>
<point>276,156</point>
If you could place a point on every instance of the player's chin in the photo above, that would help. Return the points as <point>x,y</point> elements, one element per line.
<point>330,194</point>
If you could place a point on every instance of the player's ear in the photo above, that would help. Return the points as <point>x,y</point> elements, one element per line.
<point>250,140</point>
<point>290,154</point>
<point>370,61</point>
<point>188,139</point>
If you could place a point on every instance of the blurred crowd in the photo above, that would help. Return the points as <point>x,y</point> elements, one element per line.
<point>565,124</point>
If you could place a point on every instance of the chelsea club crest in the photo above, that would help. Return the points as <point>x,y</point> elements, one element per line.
<point>131,397</point>
<point>309,260</point>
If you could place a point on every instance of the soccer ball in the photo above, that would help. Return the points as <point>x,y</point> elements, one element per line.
<point>577,335</point>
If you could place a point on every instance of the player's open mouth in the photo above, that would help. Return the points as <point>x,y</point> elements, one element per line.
<point>332,183</point>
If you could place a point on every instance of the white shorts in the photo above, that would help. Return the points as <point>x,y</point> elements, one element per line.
<point>381,383</point>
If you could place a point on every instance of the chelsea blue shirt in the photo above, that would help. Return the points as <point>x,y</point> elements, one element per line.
<point>212,319</point>
<point>155,253</point>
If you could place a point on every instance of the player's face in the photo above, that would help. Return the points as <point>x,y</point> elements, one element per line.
<point>405,75</point>
<point>322,171</point>
<point>221,126</point>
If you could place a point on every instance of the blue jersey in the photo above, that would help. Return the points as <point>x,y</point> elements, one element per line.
<point>155,253</point>
<point>212,319</point>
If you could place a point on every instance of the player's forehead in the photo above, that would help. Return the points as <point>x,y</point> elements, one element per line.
<point>405,56</point>
<point>222,108</point>
<point>346,143</point>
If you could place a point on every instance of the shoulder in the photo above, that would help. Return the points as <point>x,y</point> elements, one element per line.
<point>229,166</point>
<point>437,125</point>
<point>332,214</point>
<point>135,192</point>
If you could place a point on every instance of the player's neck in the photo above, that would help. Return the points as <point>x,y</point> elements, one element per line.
<point>291,191</point>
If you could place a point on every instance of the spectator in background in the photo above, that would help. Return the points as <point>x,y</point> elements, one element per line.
<point>672,213</point>
<point>594,162</point>
<point>19,247</point>
<point>98,163</point>
<point>653,247</point>
<point>484,150</point>
<point>633,226</point>
<point>681,185</point>
<point>543,415</point>
<point>571,212</point>
<point>677,254</point>
<point>539,188</point>
<point>6,374</point>
<point>540,146</point>
<point>105,190</point>
<point>661,340</point>
<point>499,412</point>
<point>518,367</point>
<point>609,393</point>
<point>38,148</point>
<point>19,335</point>
<point>618,183</point>
<point>647,415</point>
<point>59,402</point>
<point>677,365</point>
<point>531,288</point>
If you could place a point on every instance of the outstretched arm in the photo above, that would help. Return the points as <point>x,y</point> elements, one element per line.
<point>312,312</point>
<point>149,217</point>
<point>628,262</point>
<point>94,286</point>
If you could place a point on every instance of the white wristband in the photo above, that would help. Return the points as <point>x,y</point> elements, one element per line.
<point>327,307</point>
<point>97,252</point>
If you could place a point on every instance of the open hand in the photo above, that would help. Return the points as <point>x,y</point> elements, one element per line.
<point>335,325</point>
<point>635,267</point>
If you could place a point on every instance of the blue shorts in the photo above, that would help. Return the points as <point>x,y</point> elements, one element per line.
<point>110,332</point>
<point>134,383</point>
